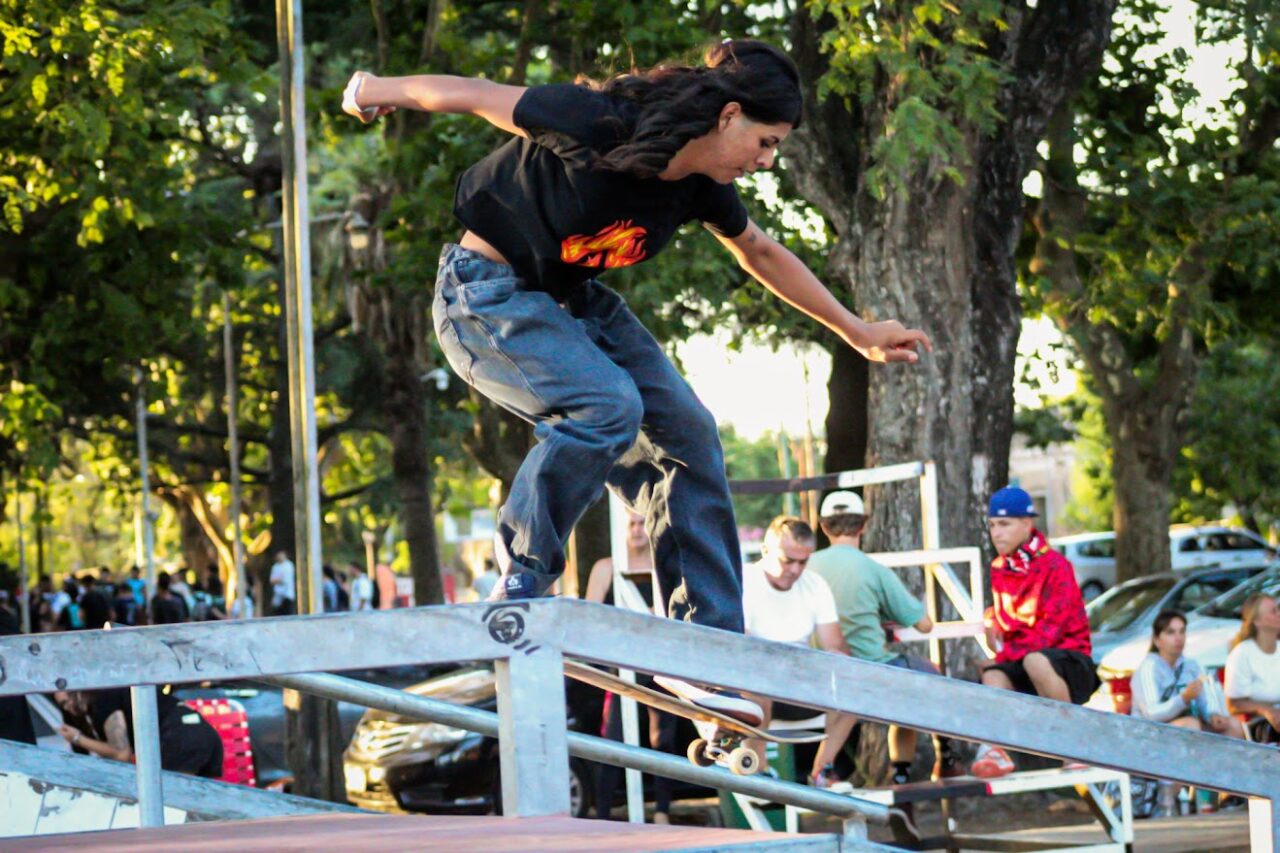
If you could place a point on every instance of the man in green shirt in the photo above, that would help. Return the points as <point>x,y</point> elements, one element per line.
<point>867,595</point>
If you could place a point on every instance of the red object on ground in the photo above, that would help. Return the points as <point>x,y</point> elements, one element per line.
<point>1121,691</point>
<point>229,720</point>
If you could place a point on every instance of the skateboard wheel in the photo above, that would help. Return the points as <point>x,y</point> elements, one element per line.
<point>697,754</point>
<point>743,761</point>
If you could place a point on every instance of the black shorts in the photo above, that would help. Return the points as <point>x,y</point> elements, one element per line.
<point>1076,670</point>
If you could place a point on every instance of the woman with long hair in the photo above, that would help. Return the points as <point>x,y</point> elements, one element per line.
<point>600,176</point>
<point>1253,666</point>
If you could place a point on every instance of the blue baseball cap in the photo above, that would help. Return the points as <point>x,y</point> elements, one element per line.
<point>1011,502</point>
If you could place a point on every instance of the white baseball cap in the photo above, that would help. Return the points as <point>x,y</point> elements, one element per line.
<point>842,503</point>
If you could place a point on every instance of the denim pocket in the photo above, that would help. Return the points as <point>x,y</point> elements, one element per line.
<point>478,295</point>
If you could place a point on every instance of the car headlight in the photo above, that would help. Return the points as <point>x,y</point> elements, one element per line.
<point>436,734</point>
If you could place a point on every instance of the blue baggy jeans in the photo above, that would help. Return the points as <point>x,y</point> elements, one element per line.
<point>608,408</point>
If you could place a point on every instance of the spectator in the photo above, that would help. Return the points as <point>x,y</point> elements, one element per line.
<point>1170,688</point>
<point>867,595</point>
<point>213,581</point>
<point>167,608</point>
<point>488,579</point>
<point>123,608</point>
<point>784,603</point>
<point>188,744</point>
<point>179,585</point>
<point>283,577</point>
<point>1253,667</point>
<point>1036,624</point>
<point>639,581</point>
<point>329,589</point>
<point>61,598</point>
<point>138,587</point>
<point>361,589</point>
<point>95,602</point>
<point>386,584</point>
<point>15,715</point>
<point>242,606</point>
<point>40,604</point>
<point>70,617</point>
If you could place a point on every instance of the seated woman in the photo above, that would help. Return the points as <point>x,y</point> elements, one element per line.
<point>1253,667</point>
<point>1170,688</point>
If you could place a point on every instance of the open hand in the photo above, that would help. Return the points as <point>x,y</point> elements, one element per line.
<point>889,340</point>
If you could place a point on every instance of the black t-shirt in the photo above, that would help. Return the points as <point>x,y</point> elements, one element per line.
<point>96,607</point>
<point>560,220</point>
<point>168,611</point>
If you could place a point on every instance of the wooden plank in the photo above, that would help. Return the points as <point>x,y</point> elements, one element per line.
<point>374,833</point>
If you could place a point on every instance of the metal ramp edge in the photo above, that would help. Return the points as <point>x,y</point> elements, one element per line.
<point>38,782</point>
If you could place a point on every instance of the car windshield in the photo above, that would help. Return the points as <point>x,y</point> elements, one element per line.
<point>1117,608</point>
<point>1229,605</point>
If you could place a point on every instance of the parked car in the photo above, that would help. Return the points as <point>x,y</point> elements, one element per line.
<point>398,764</point>
<point>264,708</point>
<point>1190,547</point>
<point>1214,545</point>
<point>1210,629</point>
<point>1093,556</point>
<point>1128,610</point>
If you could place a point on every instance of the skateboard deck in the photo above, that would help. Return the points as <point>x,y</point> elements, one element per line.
<point>722,735</point>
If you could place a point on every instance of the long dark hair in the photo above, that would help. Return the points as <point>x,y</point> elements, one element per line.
<point>682,102</point>
<point>1164,620</point>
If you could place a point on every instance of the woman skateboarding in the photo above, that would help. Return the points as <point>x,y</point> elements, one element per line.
<point>597,177</point>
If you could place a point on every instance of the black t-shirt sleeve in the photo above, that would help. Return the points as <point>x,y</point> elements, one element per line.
<point>720,209</point>
<point>567,118</point>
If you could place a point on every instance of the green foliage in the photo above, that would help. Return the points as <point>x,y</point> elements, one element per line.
<point>924,69</point>
<point>1233,455</point>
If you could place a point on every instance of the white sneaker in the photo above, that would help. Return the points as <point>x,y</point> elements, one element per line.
<point>349,104</point>
<point>722,702</point>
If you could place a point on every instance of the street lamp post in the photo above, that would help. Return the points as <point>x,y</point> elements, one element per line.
<point>233,452</point>
<point>146,519</point>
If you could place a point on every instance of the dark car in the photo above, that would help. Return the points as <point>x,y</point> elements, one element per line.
<point>394,763</point>
<point>1128,610</point>
<point>264,708</point>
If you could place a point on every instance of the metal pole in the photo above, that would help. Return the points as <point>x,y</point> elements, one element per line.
<point>619,522</point>
<point>583,746</point>
<point>148,520</point>
<point>233,451</point>
<point>533,755</point>
<point>25,599</point>
<point>146,743</point>
<point>297,281</point>
<point>930,535</point>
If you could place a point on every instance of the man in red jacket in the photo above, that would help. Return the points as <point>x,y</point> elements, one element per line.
<point>1036,625</point>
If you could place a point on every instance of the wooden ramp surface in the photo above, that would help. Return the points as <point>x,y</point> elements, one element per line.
<point>369,833</point>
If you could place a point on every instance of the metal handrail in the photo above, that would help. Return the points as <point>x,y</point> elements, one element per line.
<point>527,642</point>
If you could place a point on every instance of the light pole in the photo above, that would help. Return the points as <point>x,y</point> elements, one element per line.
<point>233,452</point>
<point>146,519</point>
<point>25,594</point>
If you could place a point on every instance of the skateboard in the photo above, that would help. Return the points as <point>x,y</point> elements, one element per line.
<point>722,736</point>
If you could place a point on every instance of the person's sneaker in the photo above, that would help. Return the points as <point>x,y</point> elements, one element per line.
<point>515,587</point>
<point>725,702</point>
<point>992,762</point>
<point>824,778</point>
<point>349,95</point>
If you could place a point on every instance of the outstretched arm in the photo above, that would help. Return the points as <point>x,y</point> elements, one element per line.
<point>434,93</point>
<point>785,275</point>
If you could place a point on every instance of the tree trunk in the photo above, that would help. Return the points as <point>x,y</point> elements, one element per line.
<point>411,468</point>
<point>846,424</point>
<point>1142,475</point>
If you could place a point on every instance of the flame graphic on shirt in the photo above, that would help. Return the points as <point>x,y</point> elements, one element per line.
<point>618,245</point>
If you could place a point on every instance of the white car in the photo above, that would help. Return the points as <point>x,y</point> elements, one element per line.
<point>1210,629</point>
<point>1093,555</point>
<point>1195,547</point>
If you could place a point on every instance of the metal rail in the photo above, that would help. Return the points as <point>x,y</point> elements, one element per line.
<point>584,746</point>
<point>527,640</point>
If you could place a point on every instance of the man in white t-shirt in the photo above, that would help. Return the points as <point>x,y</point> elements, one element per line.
<point>283,596</point>
<point>361,588</point>
<point>783,603</point>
